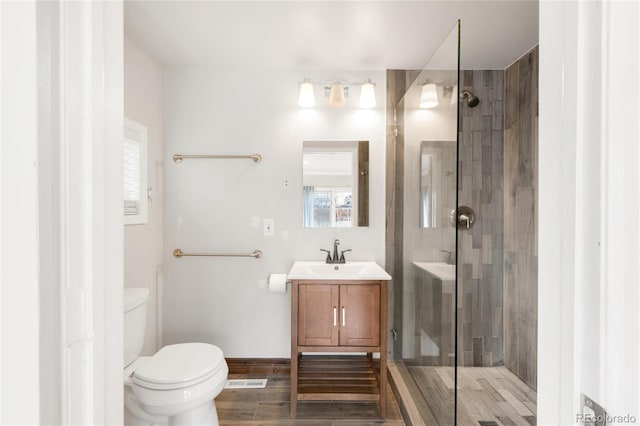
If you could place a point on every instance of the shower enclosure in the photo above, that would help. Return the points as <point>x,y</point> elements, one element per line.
<point>421,246</point>
<point>445,243</point>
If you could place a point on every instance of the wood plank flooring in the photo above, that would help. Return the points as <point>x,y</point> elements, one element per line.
<point>485,394</point>
<point>270,407</point>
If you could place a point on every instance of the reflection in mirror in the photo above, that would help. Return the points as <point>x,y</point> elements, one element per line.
<point>437,183</point>
<point>335,184</point>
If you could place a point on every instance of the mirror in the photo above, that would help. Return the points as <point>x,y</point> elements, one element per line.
<point>134,151</point>
<point>335,184</point>
<point>437,183</point>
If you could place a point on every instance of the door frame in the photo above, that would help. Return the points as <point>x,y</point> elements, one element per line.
<point>60,162</point>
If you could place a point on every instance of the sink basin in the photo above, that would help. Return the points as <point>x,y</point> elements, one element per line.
<point>440,270</point>
<point>337,271</point>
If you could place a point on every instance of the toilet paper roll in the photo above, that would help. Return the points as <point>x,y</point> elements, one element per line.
<point>278,283</point>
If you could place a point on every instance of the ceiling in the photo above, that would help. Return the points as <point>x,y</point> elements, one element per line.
<point>329,35</point>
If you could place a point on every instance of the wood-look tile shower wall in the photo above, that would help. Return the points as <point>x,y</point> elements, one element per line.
<point>497,258</point>
<point>521,218</point>
<point>480,249</point>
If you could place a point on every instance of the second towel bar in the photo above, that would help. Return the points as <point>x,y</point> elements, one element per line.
<point>179,157</point>
<point>179,253</point>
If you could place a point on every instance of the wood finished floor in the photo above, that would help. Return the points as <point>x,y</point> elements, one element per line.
<point>271,407</point>
<point>485,394</point>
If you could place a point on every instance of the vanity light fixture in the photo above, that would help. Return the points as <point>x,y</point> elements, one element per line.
<point>337,92</point>
<point>429,96</point>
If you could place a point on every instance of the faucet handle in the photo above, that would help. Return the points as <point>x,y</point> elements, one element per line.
<point>328,255</point>
<point>342,252</point>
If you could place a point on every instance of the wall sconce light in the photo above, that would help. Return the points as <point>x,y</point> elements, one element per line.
<point>367,95</point>
<point>338,92</point>
<point>336,96</point>
<point>306,99</point>
<point>429,96</point>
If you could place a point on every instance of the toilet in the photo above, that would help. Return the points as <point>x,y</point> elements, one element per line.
<point>177,385</point>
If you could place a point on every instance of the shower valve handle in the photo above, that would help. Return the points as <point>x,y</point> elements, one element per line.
<point>465,217</point>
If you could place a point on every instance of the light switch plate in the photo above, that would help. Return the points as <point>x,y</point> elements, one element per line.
<point>268,227</point>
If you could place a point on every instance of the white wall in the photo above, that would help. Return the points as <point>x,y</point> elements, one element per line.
<point>19,293</point>
<point>143,248</point>
<point>218,205</point>
<point>589,330</point>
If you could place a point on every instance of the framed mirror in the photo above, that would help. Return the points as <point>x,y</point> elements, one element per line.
<point>437,183</point>
<point>134,157</point>
<point>335,184</point>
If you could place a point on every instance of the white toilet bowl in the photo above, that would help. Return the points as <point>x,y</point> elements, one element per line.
<point>177,385</point>
<point>134,415</point>
<point>181,382</point>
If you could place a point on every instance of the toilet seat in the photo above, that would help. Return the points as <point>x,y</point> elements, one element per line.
<point>179,366</point>
<point>127,374</point>
<point>181,382</point>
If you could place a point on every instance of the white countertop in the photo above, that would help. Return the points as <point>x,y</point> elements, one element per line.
<point>337,271</point>
<point>440,270</point>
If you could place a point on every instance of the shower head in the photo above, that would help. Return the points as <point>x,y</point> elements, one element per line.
<point>472,100</point>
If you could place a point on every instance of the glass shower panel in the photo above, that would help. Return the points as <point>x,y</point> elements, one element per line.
<point>427,123</point>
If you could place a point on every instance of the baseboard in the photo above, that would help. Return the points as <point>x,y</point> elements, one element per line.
<point>259,365</point>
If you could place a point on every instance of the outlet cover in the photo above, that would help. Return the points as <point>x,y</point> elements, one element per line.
<point>268,227</point>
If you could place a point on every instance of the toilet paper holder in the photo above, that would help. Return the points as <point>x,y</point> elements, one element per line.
<point>277,283</point>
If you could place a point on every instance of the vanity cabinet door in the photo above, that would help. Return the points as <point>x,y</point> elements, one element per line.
<point>318,314</point>
<point>359,315</point>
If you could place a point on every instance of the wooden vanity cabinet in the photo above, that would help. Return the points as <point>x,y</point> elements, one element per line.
<point>323,310</point>
<point>318,314</point>
<point>338,316</point>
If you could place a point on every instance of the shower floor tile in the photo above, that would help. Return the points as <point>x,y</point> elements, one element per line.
<point>486,395</point>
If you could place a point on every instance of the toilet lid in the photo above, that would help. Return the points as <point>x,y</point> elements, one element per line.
<point>180,365</point>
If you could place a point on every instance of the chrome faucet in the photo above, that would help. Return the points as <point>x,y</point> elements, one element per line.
<point>449,256</point>
<point>335,258</point>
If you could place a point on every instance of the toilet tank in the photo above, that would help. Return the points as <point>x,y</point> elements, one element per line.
<point>135,316</point>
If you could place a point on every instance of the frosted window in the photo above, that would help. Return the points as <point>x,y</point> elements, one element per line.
<point>131,195</point>
<point>134,167</point>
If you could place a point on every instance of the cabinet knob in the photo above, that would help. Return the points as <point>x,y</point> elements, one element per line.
<point>344,317</point>
<point>335,316</point>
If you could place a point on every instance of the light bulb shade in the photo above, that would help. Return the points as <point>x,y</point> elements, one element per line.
<point>454,95</point>
<point>367,96</point>
<point>306,98</point>
<point>336,96</point>
<point>429,96</point>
